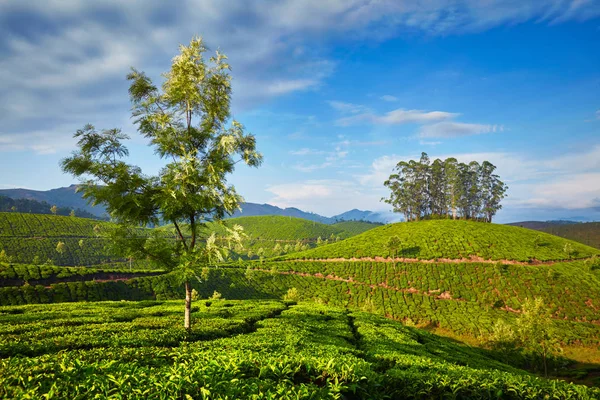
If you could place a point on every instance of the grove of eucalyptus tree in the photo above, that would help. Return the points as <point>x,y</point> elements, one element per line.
<point>445,189</point>
<point>187,122</point>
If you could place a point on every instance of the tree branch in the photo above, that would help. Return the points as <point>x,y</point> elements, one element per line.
<point>180,234</point>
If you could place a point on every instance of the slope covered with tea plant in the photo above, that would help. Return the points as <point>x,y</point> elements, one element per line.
<point>273,235</point>
<point>586,232</point>
<point>275,227</point>
<point>356,227</point>
<point>429,240</point>
<point>35,238</point>
<point>274,350</point>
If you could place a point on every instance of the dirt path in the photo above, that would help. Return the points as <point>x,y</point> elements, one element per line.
<point>472,259</point>
<point>436,293</point>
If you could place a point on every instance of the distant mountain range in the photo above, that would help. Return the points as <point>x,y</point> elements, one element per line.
<point>67,197</point>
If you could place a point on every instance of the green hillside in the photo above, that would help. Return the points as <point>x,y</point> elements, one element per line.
<point>587,233</point>
<point>275,227</point>
<point>449,239</point>
<point>274,350</point>
<point>356,227</point>
<point>26,236</point>
<point>273,235</point>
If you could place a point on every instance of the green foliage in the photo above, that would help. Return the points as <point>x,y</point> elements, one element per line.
<point>215,296</point>
<point>187,122</point>
<point>291,295</point>
<point>393,245</point>
<point>60,247</point>
<point>31,206</point>
<point>502,337</point>
<point>444,189</point>
<point>356,227</point>
<point>27,236</point>
<point>309,351</point>
<point>536,331</point>
<point>454,240</point>
<point>587,233</point>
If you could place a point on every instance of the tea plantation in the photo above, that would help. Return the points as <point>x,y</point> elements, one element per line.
<point>245,349</point>
<point>352,335</point>
<point>28,238</point>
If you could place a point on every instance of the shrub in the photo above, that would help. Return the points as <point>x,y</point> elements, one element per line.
<point>291,295</point>
<point>216,296</point>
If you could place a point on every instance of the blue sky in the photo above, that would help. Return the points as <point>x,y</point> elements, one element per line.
<point>337,92</point>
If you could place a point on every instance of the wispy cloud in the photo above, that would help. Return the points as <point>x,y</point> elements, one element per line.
<point>322,196</point>
<point>84,49</point>
<point>347,108</point>
<point>387,97</point>
<point>456,129</point>
<point>568,181</point>
<point>397,117</point>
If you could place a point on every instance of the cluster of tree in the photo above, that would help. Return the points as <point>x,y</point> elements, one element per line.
<point>443,189</point>
<point>8,204</point>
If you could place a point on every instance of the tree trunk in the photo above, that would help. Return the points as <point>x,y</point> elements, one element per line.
<point>545,364</point>
<point>188,306</point>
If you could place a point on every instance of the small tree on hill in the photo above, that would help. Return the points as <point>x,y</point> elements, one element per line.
<point>54,210</point>
<point>536,332</point>
<point>393,245</point>
<point>568,249</point>
<point>4,258</point>
<point>187,122</point>
<point>61,247</point>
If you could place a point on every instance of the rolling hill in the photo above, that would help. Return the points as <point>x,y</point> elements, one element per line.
<point>482,275</point>
<point>583,232</point>
<point>449,239</point>
<point>28,238</point>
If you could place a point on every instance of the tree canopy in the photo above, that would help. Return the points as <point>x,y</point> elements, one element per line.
<point>187,122</point>
<point>443,189</point>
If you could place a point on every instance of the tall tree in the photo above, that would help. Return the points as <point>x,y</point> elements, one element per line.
<point>452,184</point>
<point>187,122</point>
<point>437,189</point>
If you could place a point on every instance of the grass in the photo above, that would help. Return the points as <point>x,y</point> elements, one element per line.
<point>308,351</point>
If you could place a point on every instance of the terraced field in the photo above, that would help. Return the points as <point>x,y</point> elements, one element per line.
<point>273,350</point>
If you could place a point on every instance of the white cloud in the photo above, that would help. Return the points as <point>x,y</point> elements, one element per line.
<point>347,108</point>
<point>274,48</point>
<point>569,181</point>
<point>571,191</point>
<point>456,129</point>
<point>322,196</point>
<point>398,116</point>
<point>387,97</point>
<point>306,151</point>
